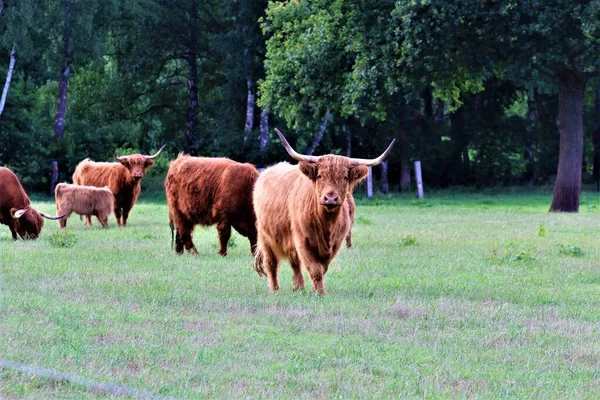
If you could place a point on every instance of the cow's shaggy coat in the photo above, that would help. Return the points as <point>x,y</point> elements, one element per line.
<point>123,178</point>
<point>304,212</point>
<point>83,200</point>
<point>15,208</point>
<point>208,191</point>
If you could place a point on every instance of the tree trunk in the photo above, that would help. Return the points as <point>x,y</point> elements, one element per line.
<point>264,130</point>
<point>61,109</point>
<point>317,139</point>
<point>570,127</point>
<point>249,110</point>
<point>428,102</point>
<point>63,81</point>
<point>191,122</point>
<point>439,110</point>
<point>385,185</point>
<point>596,141</point>
<point>11,67</point>
<point>348,140</point>
<point>529,139</point>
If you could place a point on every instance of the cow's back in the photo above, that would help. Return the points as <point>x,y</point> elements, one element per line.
<point>12,194</point>
<point>204,189</point>
<point>98,174</point>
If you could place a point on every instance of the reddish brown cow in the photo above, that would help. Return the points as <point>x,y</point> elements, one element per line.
<point>123,178</point>
<point>83,200</point>
<point>15,208</point>
<point>303,215</point>
<point>351,212</point>
<point>208,191</point>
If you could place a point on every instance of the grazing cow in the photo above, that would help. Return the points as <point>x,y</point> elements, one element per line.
<point>303,213</point>
<point>208,191</point>
<point>16,210</point>
<point>83,200</point>
<point>123,178</point>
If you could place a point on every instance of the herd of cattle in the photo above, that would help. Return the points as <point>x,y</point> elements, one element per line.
<point>301,212</point>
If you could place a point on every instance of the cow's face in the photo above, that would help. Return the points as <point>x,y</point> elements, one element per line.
<point>333,177</point>
<point>28,222</point>
<point>137,165</point>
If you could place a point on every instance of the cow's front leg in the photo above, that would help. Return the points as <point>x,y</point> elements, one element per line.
<point>224,230</point>
<point>118,215</point>
<point>298,277</point>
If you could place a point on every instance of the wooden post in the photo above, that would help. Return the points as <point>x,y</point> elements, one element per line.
<point>54,179</point>
<point>370,184</point>
<point>419,180</point>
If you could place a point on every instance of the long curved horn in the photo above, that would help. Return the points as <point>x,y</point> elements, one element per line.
<point>157,153</point>
<point>51,216</point>
<point>119,158</point>
<point>292,152</point>
<point>19,213</point>
<point>374,161</point>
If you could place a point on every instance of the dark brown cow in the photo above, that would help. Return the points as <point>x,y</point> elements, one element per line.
<point>303,213</point>
<point>15,208</point>
<point>208,191</point>
<point>123,178</point>
<point>83,200</point>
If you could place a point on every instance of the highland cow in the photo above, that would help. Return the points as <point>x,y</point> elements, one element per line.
<point>83,200</point>
<point>123,178</point>
<point>15,208</point>
<point>303,213</point>
<point>209,191</point>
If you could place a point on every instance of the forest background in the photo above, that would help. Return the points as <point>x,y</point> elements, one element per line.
<point>482,93</point>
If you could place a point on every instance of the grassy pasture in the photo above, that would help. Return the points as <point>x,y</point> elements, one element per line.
<point>461,295</point>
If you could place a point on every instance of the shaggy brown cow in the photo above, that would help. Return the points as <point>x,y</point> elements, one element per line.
<point>16,210</point>
<point>122,178</point>
<point>303,215</point>
<point>208,191</point>
<point>83,200</point>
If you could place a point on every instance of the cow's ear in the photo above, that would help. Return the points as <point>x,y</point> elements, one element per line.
<point>124,162</point>
<point>357,173</point>
<point>309,169</point>
<point>148,163</point>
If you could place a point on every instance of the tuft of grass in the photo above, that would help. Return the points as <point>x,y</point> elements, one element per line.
<point>571,251</point>
<point>514,253</point>
<point>542,231</point>
<point>408,240</point>
<point>364,220</point>
<point>62,239</point>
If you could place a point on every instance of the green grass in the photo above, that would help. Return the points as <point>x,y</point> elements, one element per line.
<point>455,296</point>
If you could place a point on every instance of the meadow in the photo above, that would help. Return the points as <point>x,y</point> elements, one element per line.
<point>460,295</point>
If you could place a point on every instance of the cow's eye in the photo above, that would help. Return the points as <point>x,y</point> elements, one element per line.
<point>346,178</point>
<point>318,176</point>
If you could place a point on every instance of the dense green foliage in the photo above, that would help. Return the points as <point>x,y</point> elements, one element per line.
<point>152,72</point>
<point>461,295</point>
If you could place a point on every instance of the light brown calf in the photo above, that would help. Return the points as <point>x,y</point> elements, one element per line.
<point>84,200</point>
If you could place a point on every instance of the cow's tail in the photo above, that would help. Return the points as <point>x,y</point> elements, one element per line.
<point>259,258</point>
<point>172,226</point>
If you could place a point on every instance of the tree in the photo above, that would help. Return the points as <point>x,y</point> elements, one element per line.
<point>548,46</point>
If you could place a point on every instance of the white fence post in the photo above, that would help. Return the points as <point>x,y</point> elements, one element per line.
<point>419,179</point>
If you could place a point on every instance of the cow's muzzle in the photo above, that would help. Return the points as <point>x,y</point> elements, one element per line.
<point>330,201</point>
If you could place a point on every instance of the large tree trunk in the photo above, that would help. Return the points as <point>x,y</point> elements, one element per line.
<point>191,122</point>
<point>596,141</point>
<point>250,101</point>
<point>264,131</point>
<point>529,139</point>
<point>317,139</point>
<point>428,102</point>
<point>61,109</point>
<point>570,127</point>
<point>11,67</point>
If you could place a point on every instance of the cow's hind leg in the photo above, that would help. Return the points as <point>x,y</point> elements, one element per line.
<point>88,220</point>
<point>271,265</point>
<point>224,230</point>
<point>103,219</point>
<point>183,237</point>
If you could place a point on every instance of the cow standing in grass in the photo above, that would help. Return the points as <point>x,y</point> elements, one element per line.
<point>208,191</point>
<point>83,200</point>
<point>303,213</point>
<point>123,178</point>
<point>15,208</point>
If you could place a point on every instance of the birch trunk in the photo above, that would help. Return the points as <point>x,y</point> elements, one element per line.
<point>61,109</point>
<point>11,67</point>
<point>264,130</point>
<point>317,139</point>
<point>529,141</point>
<point>191,124</point>
<point>348,140</point>
<point>250,102</point>
<point>385,186</point>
